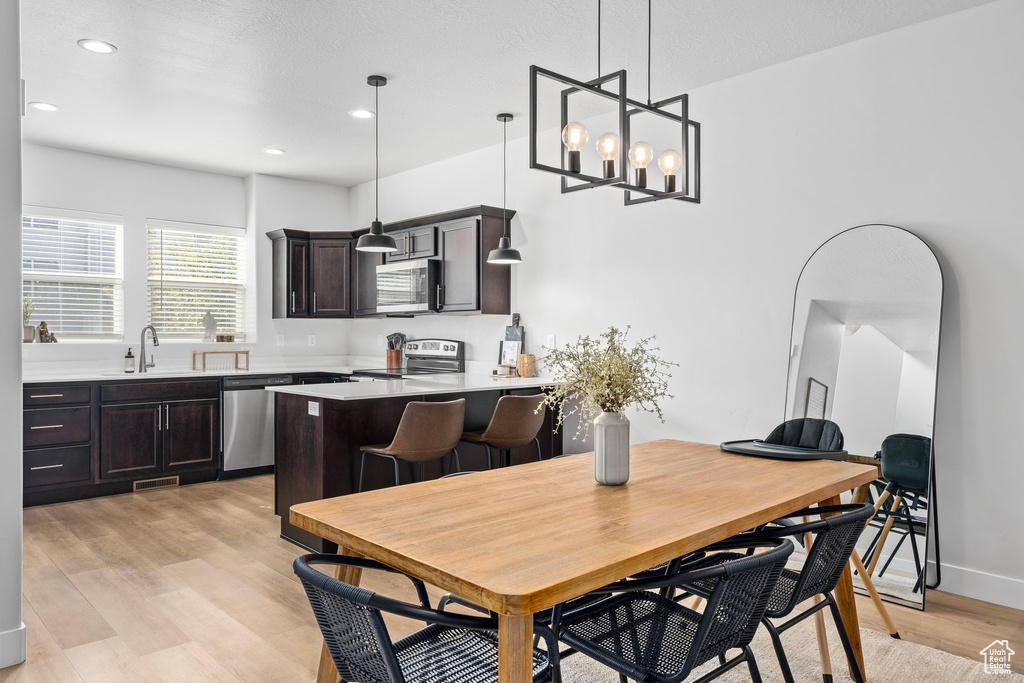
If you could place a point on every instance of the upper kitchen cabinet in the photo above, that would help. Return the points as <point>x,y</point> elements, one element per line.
<point>463,239</point>
<point>312,274</point>
<point>329,276</point>
<point>364,282</point>
<point>413,244</point>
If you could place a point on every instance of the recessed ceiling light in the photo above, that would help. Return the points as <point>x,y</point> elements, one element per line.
<point>361,114</point>
<point>98,46</point>
<point>43,106</point>
<point>274,150</point>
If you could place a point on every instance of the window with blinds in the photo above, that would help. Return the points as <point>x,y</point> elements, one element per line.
<point>193,269</point>
<point>73,275</point>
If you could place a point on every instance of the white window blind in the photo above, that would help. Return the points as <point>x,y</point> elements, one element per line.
<point>193,269</point>
<point>73,274</point>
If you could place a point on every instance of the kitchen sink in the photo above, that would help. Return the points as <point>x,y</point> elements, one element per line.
<point>150,373</point>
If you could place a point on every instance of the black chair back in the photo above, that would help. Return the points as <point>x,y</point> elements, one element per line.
<point>354,632</point>
<point>808,432</point>
<point>905,461</point>
<point>737,603</point>
<point>835,539</point>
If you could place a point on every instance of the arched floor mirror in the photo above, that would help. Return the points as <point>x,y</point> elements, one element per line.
<point>864,353</point>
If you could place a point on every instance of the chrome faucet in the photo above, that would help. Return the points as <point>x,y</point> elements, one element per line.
<point>143,364</point>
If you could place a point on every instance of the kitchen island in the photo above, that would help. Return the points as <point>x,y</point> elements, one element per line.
<point>319,429</point>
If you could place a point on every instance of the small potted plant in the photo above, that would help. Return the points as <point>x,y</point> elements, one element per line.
<point>28,307</point>
<point>600,378</point>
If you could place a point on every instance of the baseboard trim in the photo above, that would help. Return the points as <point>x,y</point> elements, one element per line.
<point>13,646</point>
<point>972,583</point>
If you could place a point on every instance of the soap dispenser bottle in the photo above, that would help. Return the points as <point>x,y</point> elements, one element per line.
<point>129,361</point>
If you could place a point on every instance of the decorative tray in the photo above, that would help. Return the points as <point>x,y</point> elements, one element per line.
<point>772,450</point>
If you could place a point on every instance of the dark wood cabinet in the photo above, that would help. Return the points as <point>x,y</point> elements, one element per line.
<point>460,278</point>
<point>413,244</point>
<point>86,439</point>
<point>364,282</point>
<point>330,265</point>
<point>321,275</point>
<point>291,274</point>
<point>312,274</point>
<point>191,433</point>
<point>130,440</point>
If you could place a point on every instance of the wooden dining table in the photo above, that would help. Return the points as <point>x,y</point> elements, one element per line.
<point>521,539</point>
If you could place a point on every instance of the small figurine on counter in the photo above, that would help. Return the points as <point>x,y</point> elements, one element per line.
<point>44,335</point>
<point>210,326</point>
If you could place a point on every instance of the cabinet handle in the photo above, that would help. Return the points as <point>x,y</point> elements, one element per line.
<point>167,419</point>
<point>408,247</point>
<point>46,396</point>
<point>47,427</point>
<point>440,297</point>
<point>293,302</point>
<point>159,419</point>
<point>314,302</point>
<point>46,467</point>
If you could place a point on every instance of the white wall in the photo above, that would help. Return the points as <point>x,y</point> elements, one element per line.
<point>867,389</point>
<point>817,356</point>
<point>918,127</point>
<point>917,394</point>
<point>12,630</point>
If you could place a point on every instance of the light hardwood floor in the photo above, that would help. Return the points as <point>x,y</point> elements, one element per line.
<point>194,584</point>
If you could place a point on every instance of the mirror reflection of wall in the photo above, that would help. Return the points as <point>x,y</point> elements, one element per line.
<point>864,354</point>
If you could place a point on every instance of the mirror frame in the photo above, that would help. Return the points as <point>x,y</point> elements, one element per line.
<point>932,530</point>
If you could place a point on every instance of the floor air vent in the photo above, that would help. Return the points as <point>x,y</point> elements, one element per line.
<point>161,483</point>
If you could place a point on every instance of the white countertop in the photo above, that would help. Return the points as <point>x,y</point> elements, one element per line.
<point>92,375</point>
<point>425,384</point>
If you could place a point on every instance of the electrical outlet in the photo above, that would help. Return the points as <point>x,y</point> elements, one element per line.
<point>551,341</point>
<point>314,408</point>
<point>280,340</point>
<point>311,340</point>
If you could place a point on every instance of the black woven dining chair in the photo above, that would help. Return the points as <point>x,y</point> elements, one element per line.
<point>453,648</point>
<point>651,638</point>
<point>834,540</point>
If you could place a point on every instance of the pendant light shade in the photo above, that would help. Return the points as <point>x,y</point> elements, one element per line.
<point>505,254</point>
<point>376,240</point>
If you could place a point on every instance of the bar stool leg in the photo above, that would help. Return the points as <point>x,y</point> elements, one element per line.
<point>455,461</point>
<point>362,468</point>
<point>490,464</point>
<point>539,456</point>
<point>398,481</point>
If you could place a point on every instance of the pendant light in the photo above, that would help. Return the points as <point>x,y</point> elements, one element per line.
<point>504,254</point>
<point>376,240</point>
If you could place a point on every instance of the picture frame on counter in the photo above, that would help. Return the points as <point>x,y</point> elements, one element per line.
<point>509,352</point>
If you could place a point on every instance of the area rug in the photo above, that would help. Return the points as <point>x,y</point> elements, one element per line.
<point>886,659</point>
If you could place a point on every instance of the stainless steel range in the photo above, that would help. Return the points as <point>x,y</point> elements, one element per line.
<point>424,357</point>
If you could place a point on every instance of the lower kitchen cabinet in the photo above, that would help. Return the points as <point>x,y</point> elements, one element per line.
<point>88,439</point>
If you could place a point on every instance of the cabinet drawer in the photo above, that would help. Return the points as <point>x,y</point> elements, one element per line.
<point>160,391</point>
<point>43,396</point>
<point>57,466</point>
<point>51,426</point>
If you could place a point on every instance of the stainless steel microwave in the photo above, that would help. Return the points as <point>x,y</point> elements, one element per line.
<point>408,286</point>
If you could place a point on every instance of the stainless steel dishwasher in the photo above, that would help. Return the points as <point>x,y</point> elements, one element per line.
<point>249,424</point>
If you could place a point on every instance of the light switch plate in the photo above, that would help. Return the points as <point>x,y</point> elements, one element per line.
<point>551,341</point>
<point>311,340</point>
<point>314,408</point>
<point>280,340</point>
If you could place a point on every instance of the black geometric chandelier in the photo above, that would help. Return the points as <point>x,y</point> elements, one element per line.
<point>620,162</point>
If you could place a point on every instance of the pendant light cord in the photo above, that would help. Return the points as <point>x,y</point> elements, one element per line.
<point>504,176</point>
<point>599,38</point>
<point>649,52</point>
<point>376,153</point>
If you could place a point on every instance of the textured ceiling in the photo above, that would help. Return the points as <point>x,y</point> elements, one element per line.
<point>208,84</point>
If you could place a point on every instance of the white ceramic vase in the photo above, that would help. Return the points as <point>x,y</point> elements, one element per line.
<point>611,449</point>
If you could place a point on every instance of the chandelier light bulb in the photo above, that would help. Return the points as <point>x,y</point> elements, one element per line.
<point>574,136</point>
<point>670,161</point>
<point>608,148</point>
<point>641,154</point>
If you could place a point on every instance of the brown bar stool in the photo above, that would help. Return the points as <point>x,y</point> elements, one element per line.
<point>515,423</point>
<point>427,431</point>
